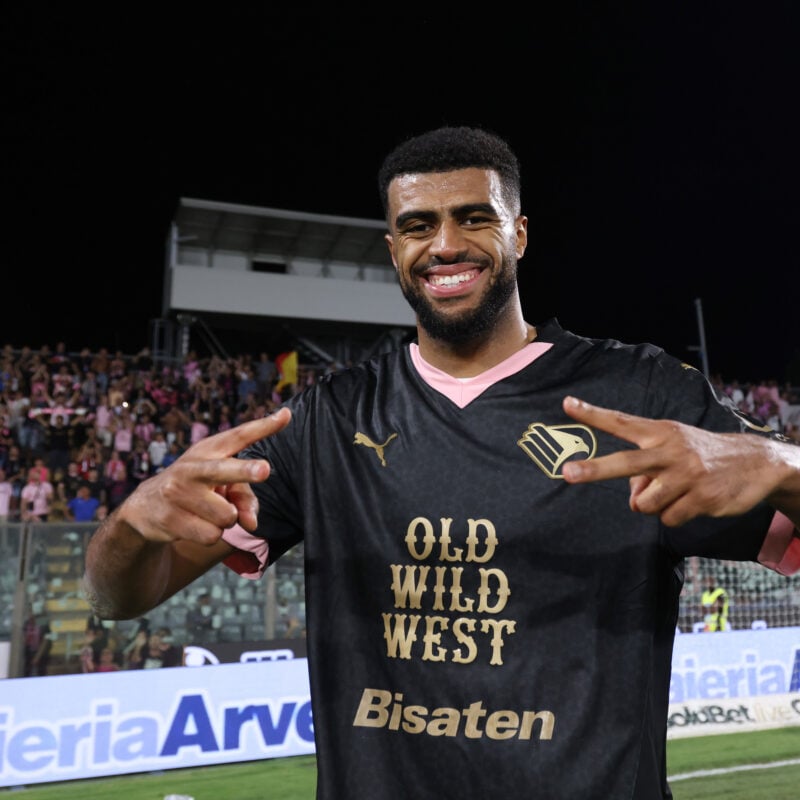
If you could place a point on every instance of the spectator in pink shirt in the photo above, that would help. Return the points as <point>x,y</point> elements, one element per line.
<point>123,429</point>
<point>36,497</point>
<point>199,428</point>
<point>144,427</point>
<point>103,420</point>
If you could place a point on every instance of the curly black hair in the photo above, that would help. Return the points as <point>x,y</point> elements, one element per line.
<point>450,148</point>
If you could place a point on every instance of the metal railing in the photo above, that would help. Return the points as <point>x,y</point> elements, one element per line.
<point>41,565</point>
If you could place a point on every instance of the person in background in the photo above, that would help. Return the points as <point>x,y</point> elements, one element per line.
<point>200,621</point>
<point>199,428</point>
<point>122,428</point>
<point>83,507</point>
<point>176,424</point>
<point>138,463</point>
<point>115,472</point>
<point>89,457</point>
<point>107,661</point>
<point>37,644</point>
<point>86,655</point>
<point>104,420</point>
<point>715,605</point>
<point>157,449</point>
<point>134,651</point>
<point>59,511</point>
<point>36,497</point>
<point>289,619</point>
<point>73,479</point>
<point>174,451</point>
<point>18,405</point>
<point>6,496</point>
<point>246,385</point>
<point>172,653</point>
<point>7,440</point>
<point>100,637</point>
<point>96,484</point>
<point>145,427</point>
<point>265,372</point>
<point>15,472</point>
<point>58,441</point>
<point>100,365</point>
<point>39,383</point>
<point>60,358</point>
<point>63,403</point>
<point>89,390</point>
<point>39,469</point>
<point>161,650</point>
<point>142,363</point>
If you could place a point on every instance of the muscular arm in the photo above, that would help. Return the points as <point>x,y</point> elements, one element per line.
<point>680,472</point>
<point>128,575</point>
<point>168,532</point>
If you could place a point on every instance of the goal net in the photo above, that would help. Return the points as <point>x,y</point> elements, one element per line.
<point>757,597</point>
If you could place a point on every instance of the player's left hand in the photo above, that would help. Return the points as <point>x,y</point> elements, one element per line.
<point>679,471</point>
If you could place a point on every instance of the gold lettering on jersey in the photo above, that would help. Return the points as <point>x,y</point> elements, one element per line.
<point>379,708</point>
<point>423,549</point>
<point>458,600</point>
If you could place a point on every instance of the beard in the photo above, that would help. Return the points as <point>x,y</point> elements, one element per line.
<point>470,325</point>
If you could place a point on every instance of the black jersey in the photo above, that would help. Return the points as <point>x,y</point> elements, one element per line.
<point>477,627</point>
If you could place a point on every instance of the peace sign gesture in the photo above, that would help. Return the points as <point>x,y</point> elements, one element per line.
<point>168,531</point>
<point>680,472</point>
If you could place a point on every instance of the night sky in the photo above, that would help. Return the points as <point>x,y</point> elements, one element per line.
<point>658,150</point>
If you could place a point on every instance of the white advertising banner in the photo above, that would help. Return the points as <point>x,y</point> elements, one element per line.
<point>87,726</point>
<point>734,681</point>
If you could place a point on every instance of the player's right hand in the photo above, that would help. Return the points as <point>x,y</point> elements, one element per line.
<point>206,490</point>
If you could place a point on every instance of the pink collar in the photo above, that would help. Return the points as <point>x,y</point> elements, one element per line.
<point>462,391</point>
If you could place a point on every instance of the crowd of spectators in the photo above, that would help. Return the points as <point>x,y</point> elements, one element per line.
<point>79,431</point>
<point>147,648</point>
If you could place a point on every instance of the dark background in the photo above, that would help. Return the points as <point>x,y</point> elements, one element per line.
<point>658,144</point>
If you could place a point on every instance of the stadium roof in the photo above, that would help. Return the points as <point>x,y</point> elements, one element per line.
<point>286,235</point>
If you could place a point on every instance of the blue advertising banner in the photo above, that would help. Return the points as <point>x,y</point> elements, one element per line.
<point>86,726</point>
<point>734,681</point>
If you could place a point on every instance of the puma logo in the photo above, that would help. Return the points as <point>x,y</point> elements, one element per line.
<point>360,438</point>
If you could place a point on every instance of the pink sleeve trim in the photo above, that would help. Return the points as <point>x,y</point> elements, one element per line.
<point>249,560</point>
<point>781,548</point>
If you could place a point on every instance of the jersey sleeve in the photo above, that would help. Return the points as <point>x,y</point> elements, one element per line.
<point>280,515</point>
<point>250,558</point>
<point>781,549</point>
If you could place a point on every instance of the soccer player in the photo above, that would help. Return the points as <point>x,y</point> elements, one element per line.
<point>493,565</point>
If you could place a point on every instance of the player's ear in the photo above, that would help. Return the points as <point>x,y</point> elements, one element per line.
<point>389,239</point>
<point>521,228</point>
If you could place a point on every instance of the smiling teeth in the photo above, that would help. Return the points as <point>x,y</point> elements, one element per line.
<point>450,280</point>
